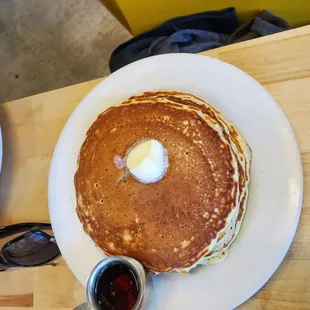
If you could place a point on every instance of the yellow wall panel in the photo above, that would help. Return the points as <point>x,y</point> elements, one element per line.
<point>114,9</point>
<point>143,15</point>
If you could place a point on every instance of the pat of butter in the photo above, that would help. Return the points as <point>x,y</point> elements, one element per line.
<point>147,161</point>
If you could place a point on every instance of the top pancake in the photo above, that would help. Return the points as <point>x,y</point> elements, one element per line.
<point>169,224</point>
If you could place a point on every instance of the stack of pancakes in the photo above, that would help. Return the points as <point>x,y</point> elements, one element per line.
<point>189,217</point>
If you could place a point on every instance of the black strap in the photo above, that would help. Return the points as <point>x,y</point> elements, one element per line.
<point>9,230</point>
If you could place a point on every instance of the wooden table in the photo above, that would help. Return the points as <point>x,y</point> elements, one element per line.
<point>32,125</point>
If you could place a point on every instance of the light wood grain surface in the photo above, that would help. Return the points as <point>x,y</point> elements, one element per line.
<point>32,125</point>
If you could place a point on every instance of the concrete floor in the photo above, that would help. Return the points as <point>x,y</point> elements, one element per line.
<point>48,44</point>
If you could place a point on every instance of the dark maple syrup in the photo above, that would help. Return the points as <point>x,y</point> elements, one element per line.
<point>117,288</point>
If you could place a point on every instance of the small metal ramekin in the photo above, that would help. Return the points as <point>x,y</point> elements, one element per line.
<point>145,285</point>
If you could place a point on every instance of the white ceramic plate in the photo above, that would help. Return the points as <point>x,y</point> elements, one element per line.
<point>275,189</point>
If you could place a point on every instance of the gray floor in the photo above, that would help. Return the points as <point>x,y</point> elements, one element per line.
<point>47,44</point>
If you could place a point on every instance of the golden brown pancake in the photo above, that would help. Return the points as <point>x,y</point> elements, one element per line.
<point>170,224</point>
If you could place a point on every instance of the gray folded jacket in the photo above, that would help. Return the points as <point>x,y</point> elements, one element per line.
<point>195,33</point>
